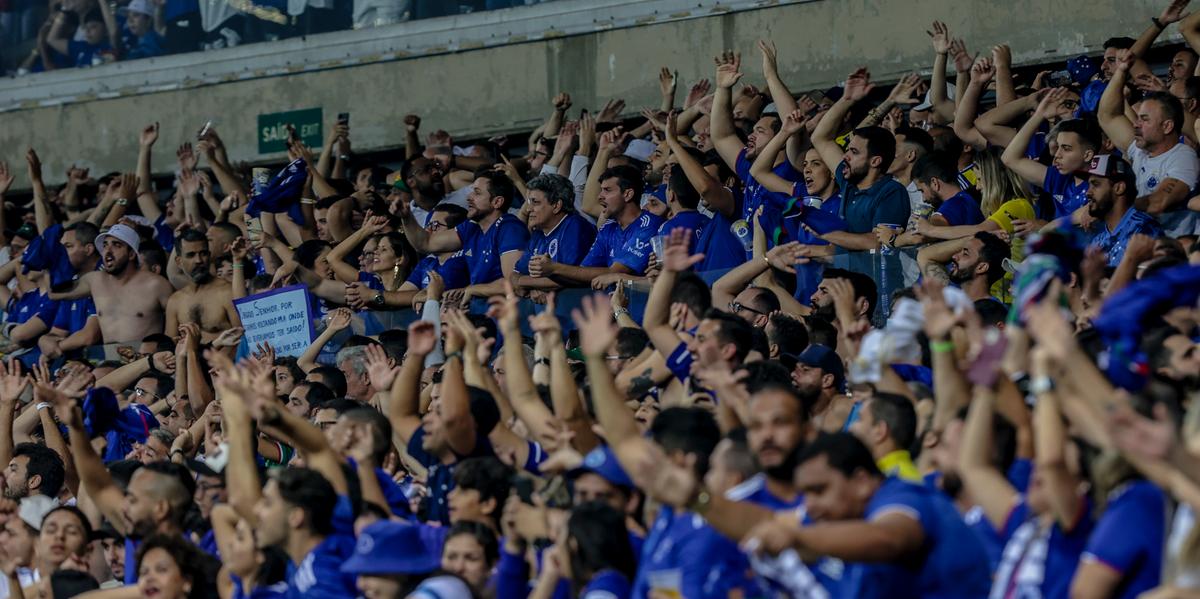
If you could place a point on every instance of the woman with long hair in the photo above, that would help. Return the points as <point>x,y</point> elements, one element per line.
<point>1004,197</point>
<point>470,552</point>
<point>247,571</point>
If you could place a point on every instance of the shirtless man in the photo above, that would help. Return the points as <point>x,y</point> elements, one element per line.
<point>130,301</point>
<point>207,300</point>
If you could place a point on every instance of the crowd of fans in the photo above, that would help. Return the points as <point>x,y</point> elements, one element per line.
<point>84,33</point>
<point>649,357</point>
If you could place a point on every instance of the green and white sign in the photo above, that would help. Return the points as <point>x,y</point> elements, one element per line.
<point>273,134</point>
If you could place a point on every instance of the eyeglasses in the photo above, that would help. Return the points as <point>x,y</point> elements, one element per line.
<point>435,225</point>
<point>140,392</point>
<point>326,425</point>
<point>737,307</point>
<point>617,357</point>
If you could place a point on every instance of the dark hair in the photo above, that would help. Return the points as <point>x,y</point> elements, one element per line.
<point>991,312</point>
<point>845,453</point>
<point>993,253</point>
<point>1120,43</point>
<point>759,341</point>
<point>306,253</point>
<point>628,178</point>
<point>292,367</point>
<point>935,166</point>
<point>691,430</point>
<point>231,230</point>
<point>1171,106</point>
<point>766,374</point>
<point>499,185</point>
<point>85,232</point>
<point>380,426</point>
<point>83,520</point>
<point>601,542</point>
<point>317,393</point>
<point>788,333</point>
<point>692,290</point>
<point>395,343</point>
<point>732,329</point>
<point>308,490</point>
<point>339,405</point>
<point>821,332</point>
<point>880,143</point>
<point>191,236</point>
<point>864,286</point>
<point>482,534</point>
<point>152,254</point>
<point>897,412</point>
<point>331,377</point>
<point>1086,128</point>
<point>187,558</point>
<point>631,341</point>
<point>69,583</point>
<point>173,474</point>
<point>917,137</point>
<point>558,190</point>
<point>945,141</point>
<point>43,462</point>
<point>165,382</point>
<point>681,186</point>
<point>765,301</point>
<point>455,214</point>
<point>488,475</point>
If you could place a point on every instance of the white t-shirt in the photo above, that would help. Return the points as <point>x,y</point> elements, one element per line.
<point>1180,162</point>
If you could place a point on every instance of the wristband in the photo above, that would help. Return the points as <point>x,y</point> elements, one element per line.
<point>150,364</point>
<point>344,157</point>
<point>1157,23</point>
<point>307,201</point>
<point>454,354</point>
<point>122,201</point>
<point>941,347</point>
<point>545,361</point>
<point>42,405</point>
<point>617,313</point>
<point>1041,384</point>
<point>238,266</point>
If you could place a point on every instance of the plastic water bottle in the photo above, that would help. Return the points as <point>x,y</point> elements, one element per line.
<point>886,251</point>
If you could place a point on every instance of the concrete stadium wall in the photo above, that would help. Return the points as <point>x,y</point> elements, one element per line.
<point>507,88</point>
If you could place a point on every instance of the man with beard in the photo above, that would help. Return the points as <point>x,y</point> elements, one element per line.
<point>820,379</point>
<point>130,301</point>
<point>870,196</point>
<point>974,264</point>
<point>777,427</point>
<point>423,179</point>
<point>492,239</point>
<point>865,294</point>
<point>1110,200</point>
<point>73,327</point>
<point>207,300</point>
<point>33,470</point>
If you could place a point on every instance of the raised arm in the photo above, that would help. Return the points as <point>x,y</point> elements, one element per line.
<point>308,439</point>
<point>1171,14</point>
<point>522,393</point>
<point>596,333</point>
<point>940,38</point>
<point>346,273</point>
<point>402,408</point>
<point>1050,446</point>
<point>95,479</point>
<point>986,485</point>
<point>12,385</point>
<point>675,259</point>
<point>858,85</point>
<point>455,405</point>
<point>423,241</point>
<point>994,124</point>
<point>716,196</point>
<point>41,202</point>
<point>1014,155</point>
<point>610,143</point>
<point>724,139</point>
<point>1111,110</point>
<point>763,167</point>
<point>968,104</point>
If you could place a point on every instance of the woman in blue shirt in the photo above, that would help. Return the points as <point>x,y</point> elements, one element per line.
<point>247,571</point>
<point>470,552</point>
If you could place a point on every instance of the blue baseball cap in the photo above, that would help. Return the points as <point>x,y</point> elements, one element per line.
<point>387,548</point>
<point>602,462</point>
<point>823,357</point>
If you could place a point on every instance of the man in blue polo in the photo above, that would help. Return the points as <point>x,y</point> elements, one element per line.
<point>558,231</point>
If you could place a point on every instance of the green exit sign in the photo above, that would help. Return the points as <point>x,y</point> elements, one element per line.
<point>273,135</point>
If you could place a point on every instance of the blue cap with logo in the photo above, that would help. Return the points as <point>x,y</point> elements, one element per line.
<point>602,462</point>
<point>387,548</point>
<point>823,357</point>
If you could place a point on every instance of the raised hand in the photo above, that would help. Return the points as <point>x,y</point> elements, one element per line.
<point>185,157</point>
<point>6,178</point>
<point>770,57</point>
<point>699,89</point>
<point>962,58</point>
<point>1173,13</point>
<point>229,337</point>
<point>149,135</point>
<point>597,331</point>
<point>905,91</point>
<point>546,323</point>
<point>1048,106</point>
<point>794,122</point>
<point>1002,56</point>
<point>786,256</point>
<point>562,101</point>
<point>940,37</point>
<point>381,370</point>
<point>35,165</point>
<point>129,186</point>
<point>422,337</point>
<point>666,81</point>
<point>983,71</point>
<point>858,85</point>
<point>675,251</point>
<point>939,319</point>
<point>729,65</point>
<point>12,382</point>
<point>338,319</point>
<point>611,111</point>
<point>412,123</point>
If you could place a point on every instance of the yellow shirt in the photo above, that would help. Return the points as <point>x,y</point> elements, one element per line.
<point>900,465</point>
<point>1011,210</point>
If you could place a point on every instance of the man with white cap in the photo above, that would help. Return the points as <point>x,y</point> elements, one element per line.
<point>130,302</point>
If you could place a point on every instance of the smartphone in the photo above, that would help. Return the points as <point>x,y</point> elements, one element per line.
<point>291,133</point>
<point>344,118</point>
<point>1060,78</point>
<point>204,130</point>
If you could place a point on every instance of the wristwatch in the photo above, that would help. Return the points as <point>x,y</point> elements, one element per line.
<point>700,502</point>
<point>1041,384</point>
<point>378,299</point>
